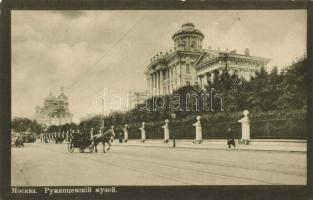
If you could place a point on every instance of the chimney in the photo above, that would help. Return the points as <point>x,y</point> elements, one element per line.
<point>247,51</point>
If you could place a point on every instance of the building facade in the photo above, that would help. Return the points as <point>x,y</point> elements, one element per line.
<point>190,64</point>
<point>54,110</point>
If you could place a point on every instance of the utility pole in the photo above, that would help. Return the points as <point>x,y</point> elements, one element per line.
<point>103,104</point>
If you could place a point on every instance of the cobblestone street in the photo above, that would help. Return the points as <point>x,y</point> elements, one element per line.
<point>51,164</point>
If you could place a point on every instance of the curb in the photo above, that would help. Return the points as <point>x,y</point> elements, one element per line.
<point>225,149</point>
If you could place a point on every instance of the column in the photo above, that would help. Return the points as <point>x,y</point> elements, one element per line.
<point>169,74</point>
<point>161,82</point>
<point>179,75</point>
<point>151,75</point>
<point>158,82</point>
<point>205,80</point>
<point>199,84</point>
<point>150,85</point>
<point>212,76</point>
<point>153,84</point>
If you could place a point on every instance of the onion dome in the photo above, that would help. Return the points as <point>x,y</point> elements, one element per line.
<point>50,98</point>
<point>62,96</point>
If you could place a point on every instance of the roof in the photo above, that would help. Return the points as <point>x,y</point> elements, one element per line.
<point>224,54</point>
<point>188,28</point>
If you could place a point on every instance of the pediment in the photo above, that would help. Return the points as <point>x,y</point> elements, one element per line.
<point>205,57</point>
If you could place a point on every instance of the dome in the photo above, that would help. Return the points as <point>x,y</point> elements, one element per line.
<point>62,96</point>
<point>50,97</point>
<point>188,25</point>
<point>188,28</point>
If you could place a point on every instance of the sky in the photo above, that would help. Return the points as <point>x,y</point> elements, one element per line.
<point>88,51</point>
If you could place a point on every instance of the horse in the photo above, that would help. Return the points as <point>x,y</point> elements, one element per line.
<point>103,137</point>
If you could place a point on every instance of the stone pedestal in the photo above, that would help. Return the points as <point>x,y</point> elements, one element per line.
<point>91,133</point>
<point>143,132</point>
<point>113,133</point>
<point>198,128</point>
<point>67,136</point>
<point>125,133</point>
<point>245,126</point>
<point>166,131</point>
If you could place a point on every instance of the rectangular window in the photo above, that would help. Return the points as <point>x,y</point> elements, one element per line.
<point>187,68</point>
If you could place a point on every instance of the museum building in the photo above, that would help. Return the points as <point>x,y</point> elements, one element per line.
<point>189,63</point>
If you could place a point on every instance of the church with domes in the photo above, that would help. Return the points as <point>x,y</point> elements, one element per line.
<point>54,110</point>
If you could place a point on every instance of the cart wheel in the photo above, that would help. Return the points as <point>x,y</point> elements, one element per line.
<point>91,148</point>
<point>81,150</point>
<point>70,147</point>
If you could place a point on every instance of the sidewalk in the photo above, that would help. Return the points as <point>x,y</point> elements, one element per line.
<point>255,145</point>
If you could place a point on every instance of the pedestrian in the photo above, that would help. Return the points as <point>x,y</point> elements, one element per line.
<point>120,137</point>
<point>230,138</point>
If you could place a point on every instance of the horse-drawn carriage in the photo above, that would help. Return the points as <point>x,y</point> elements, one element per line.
<point>83,141</point>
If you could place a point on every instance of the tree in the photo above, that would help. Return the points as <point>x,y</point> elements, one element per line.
<point>23,124</point>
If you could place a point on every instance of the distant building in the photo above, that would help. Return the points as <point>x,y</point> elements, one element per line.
<point>190,64</point>
<point>54,111</point>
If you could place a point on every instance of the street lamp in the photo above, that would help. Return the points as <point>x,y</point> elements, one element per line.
<point>173,115</point>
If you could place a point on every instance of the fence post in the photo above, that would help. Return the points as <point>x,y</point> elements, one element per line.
<point>67,136</point>
<point>125,133</point>
<point>143,132</point>
<point>198,127</point>
<point>166,131</point>
<point>245,126</point>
